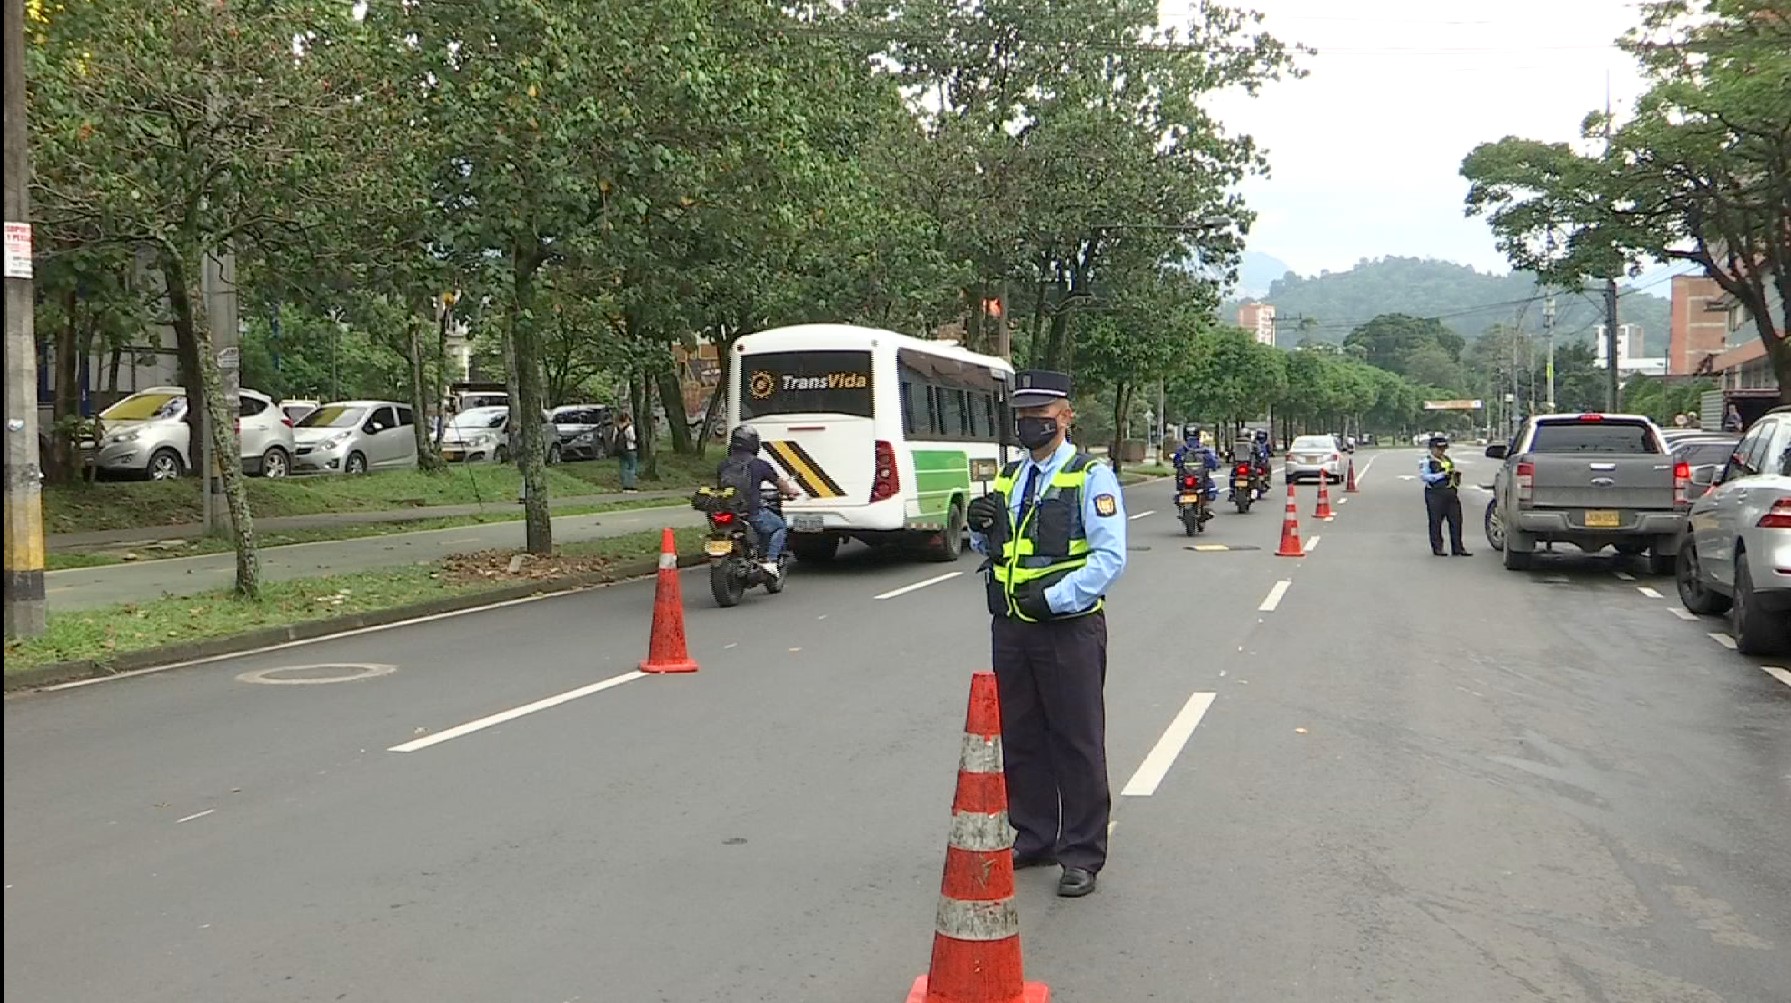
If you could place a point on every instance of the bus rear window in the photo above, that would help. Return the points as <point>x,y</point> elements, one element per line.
<point>818,382</point>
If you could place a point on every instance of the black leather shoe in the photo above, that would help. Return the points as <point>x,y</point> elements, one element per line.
<point>1075,883</point>
<point>1463,553</point>
<point>1438,553</point>
<point>1022,862</point>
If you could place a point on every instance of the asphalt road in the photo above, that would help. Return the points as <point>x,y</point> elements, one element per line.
<point>84,588</point>
<point>1418,780</point>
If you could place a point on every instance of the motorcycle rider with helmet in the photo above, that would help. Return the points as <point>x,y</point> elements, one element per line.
<point>1261,457</point>
<point>1192,451</point>
<point>744,470</point>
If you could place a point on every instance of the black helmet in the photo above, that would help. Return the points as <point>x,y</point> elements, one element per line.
<point>1262,435</point>
<point>744,438</point>
<point>1439,440</point>
<point>1190,432</point>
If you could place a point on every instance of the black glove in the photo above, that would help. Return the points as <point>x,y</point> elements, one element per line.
<point>1029,599</point>
<point>984,512</point>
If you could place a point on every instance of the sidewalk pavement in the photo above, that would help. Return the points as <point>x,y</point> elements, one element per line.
<point>84,588</point>
<point>324,520</point>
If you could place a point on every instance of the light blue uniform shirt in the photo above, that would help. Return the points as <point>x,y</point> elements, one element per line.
<point>1431,477</point>
<point>1083,587</point>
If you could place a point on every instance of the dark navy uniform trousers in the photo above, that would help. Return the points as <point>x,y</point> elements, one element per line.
<point>1051,677</point>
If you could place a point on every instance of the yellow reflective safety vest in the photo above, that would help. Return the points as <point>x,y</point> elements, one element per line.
<point>1051,541</point>
<point>1447,466</point>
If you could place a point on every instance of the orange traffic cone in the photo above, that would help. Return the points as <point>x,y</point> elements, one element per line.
<point>1350,488</point>
<point>1290,526</point>
<point>1323,512</point>
<point>976,938</point>
<point>666,651</point>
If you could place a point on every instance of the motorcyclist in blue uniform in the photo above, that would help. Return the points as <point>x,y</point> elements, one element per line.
<point>1192,451</point>
<point>1261,456</point>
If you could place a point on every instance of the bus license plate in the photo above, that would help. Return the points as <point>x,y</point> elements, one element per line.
<point>718,548</point>
<point>1603,519</point>
<point>805,523</point>
<point>1187,499</point>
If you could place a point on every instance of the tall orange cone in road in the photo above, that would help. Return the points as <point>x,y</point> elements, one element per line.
<point>666,651</point>
<point>1350,488</point>
<point>1290,525</point>
<point>1323,512</point>
<point>976,939</point>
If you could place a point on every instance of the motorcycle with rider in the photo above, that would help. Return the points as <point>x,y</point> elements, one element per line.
<point>1195,490</point>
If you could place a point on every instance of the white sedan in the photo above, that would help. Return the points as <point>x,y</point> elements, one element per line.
<point>1314,456</point>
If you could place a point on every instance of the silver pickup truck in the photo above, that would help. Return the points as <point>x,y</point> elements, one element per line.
<point>1592,480</point>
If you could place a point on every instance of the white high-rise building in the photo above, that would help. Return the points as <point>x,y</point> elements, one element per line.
<point>1630,346</point>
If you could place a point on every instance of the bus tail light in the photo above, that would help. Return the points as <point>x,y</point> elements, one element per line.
<point>888,482</point>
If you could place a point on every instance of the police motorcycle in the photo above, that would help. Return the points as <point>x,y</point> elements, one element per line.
<point>1248,480</point>
<point>735,550</point>
<point>1191,502</point>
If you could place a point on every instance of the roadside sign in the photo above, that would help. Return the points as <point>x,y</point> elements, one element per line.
<point>230,359</point>
<point>1456,405</point>
<point>18,250</point>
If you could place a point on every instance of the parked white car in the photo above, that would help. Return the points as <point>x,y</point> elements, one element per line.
<point>482,434</point>
<point>1735,553</point>
<point>145,435</point>
<point>353,437</point>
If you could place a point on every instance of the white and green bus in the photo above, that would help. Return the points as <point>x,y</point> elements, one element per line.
<point>888,436</point>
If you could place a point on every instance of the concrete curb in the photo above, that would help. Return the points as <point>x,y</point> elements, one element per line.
<point>167,654</point>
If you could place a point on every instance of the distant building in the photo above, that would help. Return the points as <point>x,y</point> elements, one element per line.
<point>1744,365</point>
<point>1700,324</point>
<point>1259,320</point>
<point>1630,360</point>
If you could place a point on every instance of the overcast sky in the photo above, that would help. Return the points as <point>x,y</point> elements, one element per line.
<point>1365,151</point>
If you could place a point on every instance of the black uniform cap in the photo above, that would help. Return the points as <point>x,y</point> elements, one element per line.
<point>1037,387</point>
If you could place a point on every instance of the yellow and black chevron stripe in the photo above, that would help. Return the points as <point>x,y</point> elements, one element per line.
<point>792,457</point>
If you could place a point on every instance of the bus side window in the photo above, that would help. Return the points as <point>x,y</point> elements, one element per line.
<point>907,389</point>
<point>935,424</point>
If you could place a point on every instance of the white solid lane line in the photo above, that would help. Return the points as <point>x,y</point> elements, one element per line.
<point>1782,675</point>
<point>1274,597</point>
<point>904,590</point>
<point>1312,543</point>
<point>1140,515</point>
<point>515,712</point>
<point>1650,593</point>
<point>1724,640</point>
<point>1624,576</point>
<point>1682,613</point>
<point>1162,756</point>
<point>1366,467</point>
<point>197,814</point>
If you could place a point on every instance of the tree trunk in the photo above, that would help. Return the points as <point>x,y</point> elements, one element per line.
<point>427,458</point>
<point>112,365</point>
<point>192,329</point>
<point>66,406</point>
<point>522,357</point>
<point>1122,400</point>
<point>646,427</point>
<point>671,397</point>
<point>438,388</point>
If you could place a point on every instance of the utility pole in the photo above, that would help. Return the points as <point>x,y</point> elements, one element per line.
<point>1548,325</point>
<point>24,548</point>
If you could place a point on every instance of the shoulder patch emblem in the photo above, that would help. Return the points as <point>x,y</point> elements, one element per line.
<point>1106,505</point>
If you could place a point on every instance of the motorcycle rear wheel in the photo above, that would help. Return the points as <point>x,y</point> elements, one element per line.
<point>1243,504</point>
<point>726,583</point>
<point>1191,520</point>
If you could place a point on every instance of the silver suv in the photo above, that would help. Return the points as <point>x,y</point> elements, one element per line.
<point>145,435</point>
<point>1735,554</point>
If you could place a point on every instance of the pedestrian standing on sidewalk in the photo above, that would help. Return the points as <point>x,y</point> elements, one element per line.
<point>1442,497</point>
<point>1054,529</point>
<point>628,450</point>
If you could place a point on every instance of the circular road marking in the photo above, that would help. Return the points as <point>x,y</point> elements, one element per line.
<point>315,675</point>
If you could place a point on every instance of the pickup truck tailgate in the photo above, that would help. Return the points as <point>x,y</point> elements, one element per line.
<point>1602,481</point>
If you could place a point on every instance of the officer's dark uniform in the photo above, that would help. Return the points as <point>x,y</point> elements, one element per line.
<point>1442,500</point>
<point>1063,539</point>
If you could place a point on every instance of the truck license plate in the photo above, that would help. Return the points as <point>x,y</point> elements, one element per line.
<point>1187,499</point>
<point>1603,519</point>
<point>805,523</point>
<point>718,548</point>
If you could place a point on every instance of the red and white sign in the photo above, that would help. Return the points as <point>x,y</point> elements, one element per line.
<point>18,250</point>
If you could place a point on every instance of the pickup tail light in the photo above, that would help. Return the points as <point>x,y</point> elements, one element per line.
<point>1682,474</point>
<point>888,482</point>
<point>1526,483</point>
<point>1777,517</point>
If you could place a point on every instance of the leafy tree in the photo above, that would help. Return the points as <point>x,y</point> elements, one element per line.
<point>1697,174</point>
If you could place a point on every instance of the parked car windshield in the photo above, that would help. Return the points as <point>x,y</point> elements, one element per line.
<point>333,416</point>
<point>142,407</point>
<point>472,421</point>
<point>1593,437</point>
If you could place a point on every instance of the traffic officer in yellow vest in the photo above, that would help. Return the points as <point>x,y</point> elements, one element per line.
<point>1442,497</point>
<point>1054,530</point>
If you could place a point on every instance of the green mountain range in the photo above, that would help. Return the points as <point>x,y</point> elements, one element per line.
<point>1328,306</point>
